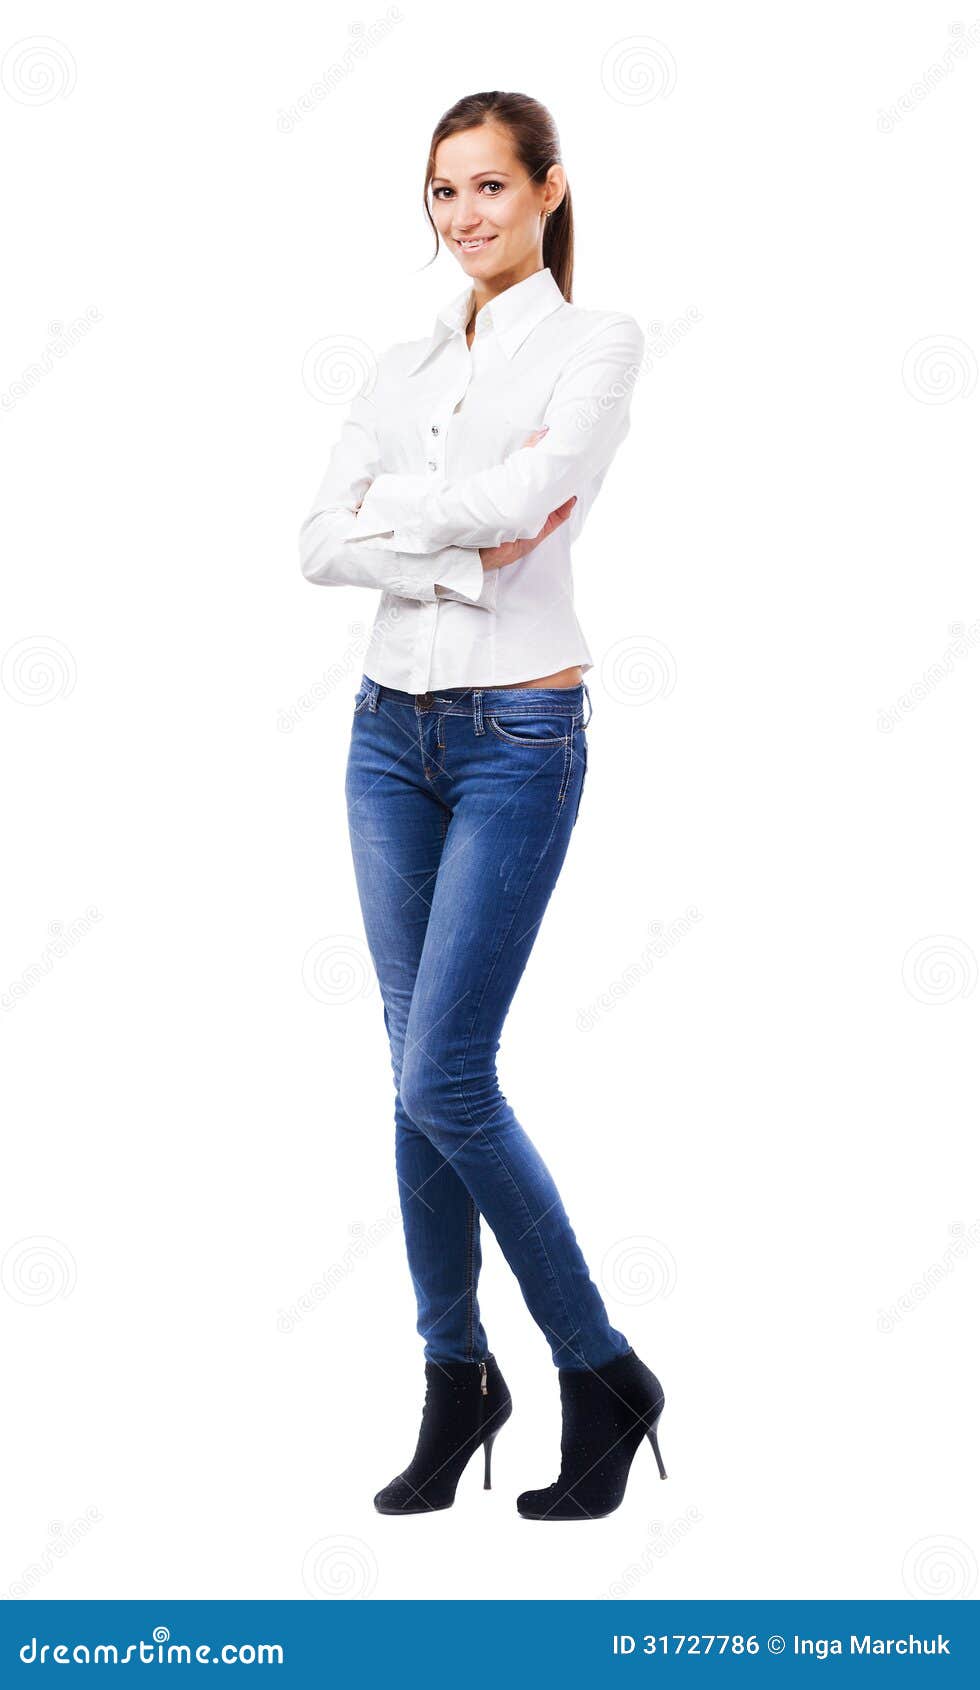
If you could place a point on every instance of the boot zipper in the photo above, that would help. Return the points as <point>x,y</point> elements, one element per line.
<point>483,1378</point>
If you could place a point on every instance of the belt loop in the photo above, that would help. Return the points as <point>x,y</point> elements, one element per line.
<point>589,697</point>
<point>374,693</point>
<point>478,712</point>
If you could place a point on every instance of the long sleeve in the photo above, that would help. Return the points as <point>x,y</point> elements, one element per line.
<point>588,419</point>
<point>329,557</point>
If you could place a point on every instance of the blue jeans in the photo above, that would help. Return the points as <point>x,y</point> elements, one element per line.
<point>461,804</point>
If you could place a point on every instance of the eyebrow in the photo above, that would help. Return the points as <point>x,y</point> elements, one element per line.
<point>475,175</point>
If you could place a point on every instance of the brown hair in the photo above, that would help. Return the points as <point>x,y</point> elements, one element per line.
<point>535,139</point>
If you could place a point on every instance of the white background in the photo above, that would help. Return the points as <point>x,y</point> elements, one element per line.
<point>768,1139</point>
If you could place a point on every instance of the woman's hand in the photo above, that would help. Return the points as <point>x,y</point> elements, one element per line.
<point>497,557</point>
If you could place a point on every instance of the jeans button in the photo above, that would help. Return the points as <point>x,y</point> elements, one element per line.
<point>423,700</point>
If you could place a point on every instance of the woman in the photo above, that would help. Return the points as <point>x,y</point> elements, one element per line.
<point>456,489</point>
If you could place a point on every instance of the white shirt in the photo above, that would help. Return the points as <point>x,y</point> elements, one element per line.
<point>435,452</point>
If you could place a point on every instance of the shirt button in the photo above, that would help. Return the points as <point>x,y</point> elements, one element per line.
<point>433,464</point>
<point>435,428</point>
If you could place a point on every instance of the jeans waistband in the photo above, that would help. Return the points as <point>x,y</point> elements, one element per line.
<point>473,701</point>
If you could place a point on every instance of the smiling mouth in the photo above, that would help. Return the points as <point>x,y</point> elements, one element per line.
<point>476,246</point>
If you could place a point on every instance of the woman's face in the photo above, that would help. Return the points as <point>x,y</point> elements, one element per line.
<point>481,194</point>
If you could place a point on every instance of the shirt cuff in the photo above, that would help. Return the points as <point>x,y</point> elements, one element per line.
<point>391,506</point>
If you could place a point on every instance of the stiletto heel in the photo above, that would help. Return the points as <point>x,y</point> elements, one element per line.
<point>652,1435</point>
<point>466,1403</point>
<point>606,1412</point>
<point>488,1446</point>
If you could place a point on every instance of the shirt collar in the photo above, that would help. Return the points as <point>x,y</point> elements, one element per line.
<point>510,316</point>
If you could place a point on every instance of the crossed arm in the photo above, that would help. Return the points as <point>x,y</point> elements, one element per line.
<point>406,534</point>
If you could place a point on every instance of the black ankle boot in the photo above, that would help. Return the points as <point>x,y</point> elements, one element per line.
<point>466,1403</point>
<point>606,1412</point>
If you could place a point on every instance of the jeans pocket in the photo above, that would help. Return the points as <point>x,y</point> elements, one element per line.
<point>526,728</point>
<point>361,696</point>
